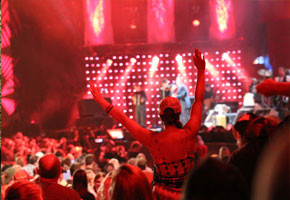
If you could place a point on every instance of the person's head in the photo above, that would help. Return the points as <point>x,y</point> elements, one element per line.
<point>23,190</point>
<point>169,111</point>
<point>164,83</point>
<point>49,167</point>
<point>80,182</point>
<point>98,180</point>
<point>109,167</point>
<point>242,123</point>
<point>179,80</point>
<point>214,179</point>
<point>129,182</point>
<point>207,87</point>
<point>74,167</point>
<point>141,163</point>
<point>137,87</point>
<point>33,160</point>
<point>90,176</point>
<point>89,159</point>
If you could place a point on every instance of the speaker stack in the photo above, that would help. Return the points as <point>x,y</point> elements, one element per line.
<point>91,114</point>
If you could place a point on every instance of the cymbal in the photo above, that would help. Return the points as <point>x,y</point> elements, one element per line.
<point>264,73</point>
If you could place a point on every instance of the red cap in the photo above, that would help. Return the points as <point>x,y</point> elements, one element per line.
<point>170,102</point>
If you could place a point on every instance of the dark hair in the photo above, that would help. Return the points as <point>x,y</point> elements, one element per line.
<point>24,190</point>
<point>241,125</point>
<point>74,167</point>
<point>129,182</point>
<point>89,159</point>
<point>214,179</point>
<point>80,182</point>
<point>32,159</point>
<point>169,117</point>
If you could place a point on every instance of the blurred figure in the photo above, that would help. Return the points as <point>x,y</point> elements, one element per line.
<point>24,190</point>
<point>214,179</point>
<point>80,184</point>
<point>49,170</point>
<point>165,90</point>
<point>142,164</point>
<point>90,163</point>
<point>103,191</point>
<point>98,180</point>
<point>272,174</point>
<point>139,99</point>
<point>256,137</point>
<point>224,153</point>
<point>30,167</point>
<point>91,176</point>
<point>182,95</point>
<point>129,182</point>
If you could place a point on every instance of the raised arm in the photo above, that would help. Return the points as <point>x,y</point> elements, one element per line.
<point>196,111</point>
<point>139,133</point>
<point>270,87</point>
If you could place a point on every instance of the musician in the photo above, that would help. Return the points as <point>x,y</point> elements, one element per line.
<point>139,99</point>
<point>182,95</point>
<point>281,103</point>
<point>281,75</point>
<point>165,90</point>
<point>208,97</point>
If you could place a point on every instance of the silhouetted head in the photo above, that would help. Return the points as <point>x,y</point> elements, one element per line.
<point>214,179</point>
<point>24,190</point>
<point>129,182</point>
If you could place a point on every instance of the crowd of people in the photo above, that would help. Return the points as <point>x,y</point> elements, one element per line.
<point>46,168</point>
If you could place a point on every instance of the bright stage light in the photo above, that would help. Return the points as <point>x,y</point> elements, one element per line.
<point>195,22</point>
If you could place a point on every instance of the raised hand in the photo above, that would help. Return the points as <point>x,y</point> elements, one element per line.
<point>198,60</point>
<point>95,92</point>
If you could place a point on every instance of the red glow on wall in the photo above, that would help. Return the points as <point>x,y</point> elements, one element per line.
<point>160,20</point>
<point>222,19</point>
<point>98,28</point>
<point>7,82</point>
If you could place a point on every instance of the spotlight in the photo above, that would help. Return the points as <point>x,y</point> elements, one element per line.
<point>195,22</point>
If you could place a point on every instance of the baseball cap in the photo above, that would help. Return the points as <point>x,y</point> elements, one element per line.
<point>170,102</point>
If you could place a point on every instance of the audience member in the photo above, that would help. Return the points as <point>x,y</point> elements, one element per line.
<point>30,167</point>
<point>80,184</point>
<point>49,170</point>
<point>98,180</point>
<point>214,179</point>
<point>171,164</point>
<point>129,182</point>
<point>255,138</point>
<point>24,190</point>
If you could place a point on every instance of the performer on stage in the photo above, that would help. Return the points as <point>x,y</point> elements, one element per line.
<point>208,97</point>
<point>139,99</point>
<point>183,96</point>
<point>165,90</point>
